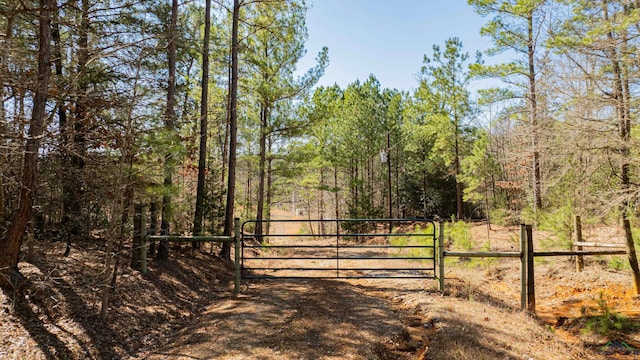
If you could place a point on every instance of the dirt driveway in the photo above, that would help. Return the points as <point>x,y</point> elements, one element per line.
<point>362,319</point>
<point>294,320</point>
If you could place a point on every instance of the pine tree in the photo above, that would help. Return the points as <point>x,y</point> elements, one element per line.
<point>10,242</point>
<point>516,25</point>
<point>446,100</point>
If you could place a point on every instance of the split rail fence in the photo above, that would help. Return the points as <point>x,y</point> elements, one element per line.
<point>579,244</point>
<point>526,256</point>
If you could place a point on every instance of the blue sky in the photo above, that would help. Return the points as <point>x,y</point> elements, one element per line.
<point>387,38</point>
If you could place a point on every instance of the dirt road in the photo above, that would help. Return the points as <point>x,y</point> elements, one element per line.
<point>294,320</point>
<point>362,319</point>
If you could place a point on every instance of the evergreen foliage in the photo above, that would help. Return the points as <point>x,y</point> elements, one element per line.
<point>559,138</point>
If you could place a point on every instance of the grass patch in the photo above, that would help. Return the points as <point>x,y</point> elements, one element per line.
<point>618,263</point>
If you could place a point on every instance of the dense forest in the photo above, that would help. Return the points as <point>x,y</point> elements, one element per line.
<point>194,108</point>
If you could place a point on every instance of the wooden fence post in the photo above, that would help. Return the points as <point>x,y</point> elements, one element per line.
<point>137,237</point>
<point>527,276</point>
<point>153,227</point>
<point>441,257</point>
<point>531,286</point>
<point>237,239</point>
<point>143,239</point>
<point>523,267</point>
<point>579,258</point>
<point>139,248</point>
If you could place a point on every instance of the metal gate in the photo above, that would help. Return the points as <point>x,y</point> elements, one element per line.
<point>343,248</point>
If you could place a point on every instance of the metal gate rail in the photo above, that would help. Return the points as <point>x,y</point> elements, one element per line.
<point>408,251</point>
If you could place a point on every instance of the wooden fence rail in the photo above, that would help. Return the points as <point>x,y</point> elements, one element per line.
<point>526,255</point>
<point>579,244</point>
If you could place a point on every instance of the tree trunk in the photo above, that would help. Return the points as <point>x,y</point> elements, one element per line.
<point>225,141</point>
<point>352,179</point>
<point>621,98</point>
<point>153,227</point>
<point>117,205</point>
<point>487,205</point>
<point>72,189</point>
<point>137,241</point>
<point>264,119</point>
<point>10,277</point>
<point>269,194</point>
<point>170,116</point>
<point>225,253</point>
<point>2,218</point>
<point>459,210</point>
<point>389,175</point>
<point>424,188</point>
<point>62,125</point>
<point>533,105</point>
<point>631,255</point>
<point>355,186</point>
<point>204,109</point>
<point>122,203</point>
<point>321,229</point>
<point>248,197</point>
<point>336,194</point>
<point>4,68</point>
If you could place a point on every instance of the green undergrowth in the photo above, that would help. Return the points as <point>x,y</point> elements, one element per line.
<point>505,217</point>
<point>424,237</point>
<point>559,223</point>
<point>458,233</point>
<point>458,237</point>
<point>618,263</point>
<point>606,320</point>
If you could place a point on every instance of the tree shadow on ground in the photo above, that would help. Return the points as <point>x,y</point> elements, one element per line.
<point>298,319</point>
<point>190,286</point>
<point>50,345</point>
<point>461,339</point>
<point>57,292</point>
<point>459,289</point>
<point>59,307</point>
